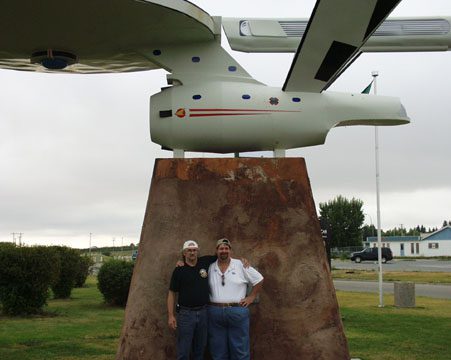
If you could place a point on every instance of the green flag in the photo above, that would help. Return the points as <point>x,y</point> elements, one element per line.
<point>368,88</point>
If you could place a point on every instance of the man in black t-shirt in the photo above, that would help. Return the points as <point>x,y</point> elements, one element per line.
<point>190,282</point>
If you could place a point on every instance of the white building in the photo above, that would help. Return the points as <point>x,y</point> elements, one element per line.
<point>437,243</point>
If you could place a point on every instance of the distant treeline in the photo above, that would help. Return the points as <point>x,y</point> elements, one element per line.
<point>109,249</point>
<point>370,230</point>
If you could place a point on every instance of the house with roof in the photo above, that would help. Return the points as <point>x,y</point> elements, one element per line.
<point>437,243</point>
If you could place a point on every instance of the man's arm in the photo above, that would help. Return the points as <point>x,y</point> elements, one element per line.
<point>172,321</point>
<point>251,297</point>
<point>212,258</point>
<point>256,279</point>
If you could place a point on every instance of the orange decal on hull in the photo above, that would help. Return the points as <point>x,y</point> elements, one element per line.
<point>180,113</point>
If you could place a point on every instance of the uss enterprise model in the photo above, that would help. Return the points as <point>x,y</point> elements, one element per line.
<point>211,103</point>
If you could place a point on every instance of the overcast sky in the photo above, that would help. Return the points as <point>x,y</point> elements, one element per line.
<point>76,156</point>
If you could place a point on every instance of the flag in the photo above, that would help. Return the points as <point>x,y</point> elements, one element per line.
<point>368,88</point>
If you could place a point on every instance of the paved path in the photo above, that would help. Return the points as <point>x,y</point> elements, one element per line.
<point>429,290</point>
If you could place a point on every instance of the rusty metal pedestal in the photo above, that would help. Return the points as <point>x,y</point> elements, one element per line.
<point>265,207</point>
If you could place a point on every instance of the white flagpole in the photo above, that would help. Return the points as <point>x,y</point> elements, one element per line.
<point>379,231</point>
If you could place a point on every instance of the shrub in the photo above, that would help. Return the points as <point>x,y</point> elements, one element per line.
<point>114,281</point>
<point>69,259</point>
<point>84,263</point>
<point>26,273</point>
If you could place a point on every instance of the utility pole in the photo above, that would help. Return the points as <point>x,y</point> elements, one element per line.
<point>19,237</point>
<point>90,239</point>
<point>375,74</point>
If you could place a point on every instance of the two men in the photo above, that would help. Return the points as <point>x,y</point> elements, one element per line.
<point>228,323</point>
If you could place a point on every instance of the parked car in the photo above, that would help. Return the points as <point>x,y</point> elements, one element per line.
<point>371,254</point>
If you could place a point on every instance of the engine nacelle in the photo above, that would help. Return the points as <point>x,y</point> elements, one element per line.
<point>226,117</point>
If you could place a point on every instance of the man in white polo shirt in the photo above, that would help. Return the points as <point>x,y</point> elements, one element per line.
<point>228,313</point>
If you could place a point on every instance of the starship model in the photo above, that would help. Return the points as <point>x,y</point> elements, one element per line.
<point>212,104</point>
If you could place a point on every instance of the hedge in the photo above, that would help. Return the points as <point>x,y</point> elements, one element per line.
<point>114,280</point>
<point>69,259</point>
<point>26,273</point>
<point>84,263</point>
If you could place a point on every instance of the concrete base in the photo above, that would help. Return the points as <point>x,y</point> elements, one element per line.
<point>404,294</point>
<point>265,207</point>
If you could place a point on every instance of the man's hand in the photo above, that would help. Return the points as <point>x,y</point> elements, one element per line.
<point>247,301</point>
<point>251,297</point>
<point>172,322</point>
<point>179,263</point>
<point>245,262</point>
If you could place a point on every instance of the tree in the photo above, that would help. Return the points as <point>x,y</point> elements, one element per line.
<point>345,218</point>
<point>368,230</point>
<point>400,231</point>
<point>445,223</point>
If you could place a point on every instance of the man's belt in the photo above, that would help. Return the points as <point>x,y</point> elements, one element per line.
<point>192,308</point>
<point>224,305</point>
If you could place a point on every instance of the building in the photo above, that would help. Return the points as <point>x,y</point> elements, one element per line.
<point>437,243</point>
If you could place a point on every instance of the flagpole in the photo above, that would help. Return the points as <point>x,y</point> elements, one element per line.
<point>375,74</point>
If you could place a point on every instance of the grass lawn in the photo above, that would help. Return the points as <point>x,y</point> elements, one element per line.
<point>390,333</point>
<point>80,328</point>
<point>85,328</point>
<point>415,276</point>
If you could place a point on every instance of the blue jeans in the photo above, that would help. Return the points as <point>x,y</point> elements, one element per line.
<point>191,333</point>
<point>228,333</point>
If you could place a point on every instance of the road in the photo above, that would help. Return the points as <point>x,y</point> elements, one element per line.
<point>397,265</point>
<point>429,290</point>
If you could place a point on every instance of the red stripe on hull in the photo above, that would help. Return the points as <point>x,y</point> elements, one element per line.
<point>250,110</point>
<point>223,114</point>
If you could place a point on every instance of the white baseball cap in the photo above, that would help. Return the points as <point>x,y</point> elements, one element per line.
<point>190,244</point>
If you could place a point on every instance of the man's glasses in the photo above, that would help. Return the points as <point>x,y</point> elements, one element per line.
<point>223,279</point>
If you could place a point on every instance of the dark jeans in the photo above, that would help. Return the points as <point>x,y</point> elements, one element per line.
<point>191,333</point>
<point>228,333</point>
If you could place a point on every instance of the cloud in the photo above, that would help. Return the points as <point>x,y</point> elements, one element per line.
<point>76,155</point>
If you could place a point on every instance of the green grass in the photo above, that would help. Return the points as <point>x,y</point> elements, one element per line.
<point>85,328</point>
<point>415,276</point>
<point>392,333</point>
<point>80,328</point>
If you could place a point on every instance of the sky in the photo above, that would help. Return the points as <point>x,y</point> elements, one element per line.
<point>76,156</point>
